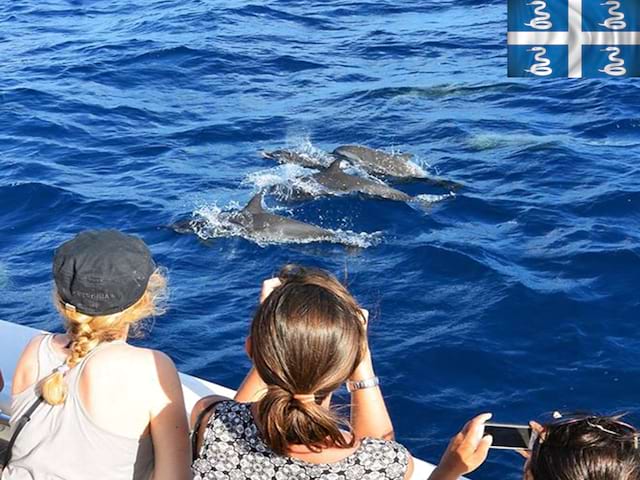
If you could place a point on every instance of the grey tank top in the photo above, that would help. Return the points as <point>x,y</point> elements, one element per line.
<point>62,442</point>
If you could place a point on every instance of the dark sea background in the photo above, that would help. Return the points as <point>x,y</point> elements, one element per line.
<point>519,296</point>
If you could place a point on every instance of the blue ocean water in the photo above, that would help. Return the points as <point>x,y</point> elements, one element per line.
<point>519,296</point>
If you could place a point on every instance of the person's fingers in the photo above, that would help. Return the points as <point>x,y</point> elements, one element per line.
<point>477,427</point>
<point>482,451</point>
<point>365,315</point>
<point>536,427</point>
<point>269,286</point>
<point>476,423</point>
<point>524,453</point>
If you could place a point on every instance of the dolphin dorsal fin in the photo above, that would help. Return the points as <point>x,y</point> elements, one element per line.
<point>335,166</point>
<point>255,204</point>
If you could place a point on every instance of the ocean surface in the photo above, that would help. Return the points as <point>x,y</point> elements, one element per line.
<point>518,296</point>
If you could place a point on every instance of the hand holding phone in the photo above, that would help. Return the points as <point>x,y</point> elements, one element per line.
<point>466,451</point>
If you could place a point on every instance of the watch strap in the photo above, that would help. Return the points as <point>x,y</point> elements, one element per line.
<point>361,384</point>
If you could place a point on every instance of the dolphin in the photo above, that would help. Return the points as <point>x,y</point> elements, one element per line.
<point>398,165</point>
<point>257,223</point>
<point>379,162</point>
<point>289,156</point>
<point>263,224</point>
<point>334,180</point>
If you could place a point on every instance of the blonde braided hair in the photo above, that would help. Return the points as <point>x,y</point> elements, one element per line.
<point>87,332</point>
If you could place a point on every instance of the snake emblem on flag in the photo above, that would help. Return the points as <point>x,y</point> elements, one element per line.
<point>574,38</point>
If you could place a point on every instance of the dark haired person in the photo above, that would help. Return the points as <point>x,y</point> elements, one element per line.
<point>308,337</point>
<point>585,447</point>
<point>1,381</point>
<point>578,447</point>
<point>107,410</point>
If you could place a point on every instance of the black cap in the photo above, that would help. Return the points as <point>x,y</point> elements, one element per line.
<point>102,272</point>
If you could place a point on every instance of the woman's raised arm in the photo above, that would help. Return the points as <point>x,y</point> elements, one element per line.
<point>369,415</point>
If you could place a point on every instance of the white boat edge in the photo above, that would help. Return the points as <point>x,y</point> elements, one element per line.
<point>14,337</point>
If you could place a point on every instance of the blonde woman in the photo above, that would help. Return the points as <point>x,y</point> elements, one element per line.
<point>307,338</point>
<point>107,410</point>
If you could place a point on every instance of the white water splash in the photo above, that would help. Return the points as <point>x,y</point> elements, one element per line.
<point>428,198</point>
<point>211,221</point>
<point>426,201</point>
<point>293,182</point>
<point>285,181</point>
<point>303,145</point>
<point>347,238</point>
<point>417,170</point>
<point>423,167</point>
<point>358,239</point>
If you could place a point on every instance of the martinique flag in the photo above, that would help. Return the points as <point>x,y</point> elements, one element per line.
<point>574,38</point>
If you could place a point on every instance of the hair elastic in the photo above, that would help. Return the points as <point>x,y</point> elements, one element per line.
<point>305,397</point>
<point>68,306</point>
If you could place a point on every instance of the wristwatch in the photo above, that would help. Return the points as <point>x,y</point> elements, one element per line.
<point>360,384</point>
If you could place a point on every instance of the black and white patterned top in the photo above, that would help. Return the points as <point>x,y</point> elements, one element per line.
<point>233,449</point>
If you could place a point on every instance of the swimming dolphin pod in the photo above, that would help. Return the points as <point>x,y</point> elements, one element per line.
<point>376,162</point>
<point>335,182</point>
<point>398,166</point>
<point>256,223</point>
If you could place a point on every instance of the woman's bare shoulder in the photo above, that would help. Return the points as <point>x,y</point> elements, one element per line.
<point>134,362</point>
<point>26,373</point>
<point>148,376</point>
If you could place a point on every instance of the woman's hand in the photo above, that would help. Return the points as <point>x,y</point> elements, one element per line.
<point>269,286</point>
<point>466,452</point>
<point>538,431</point>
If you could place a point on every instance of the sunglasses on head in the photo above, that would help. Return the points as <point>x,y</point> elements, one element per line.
<point>631,434</point>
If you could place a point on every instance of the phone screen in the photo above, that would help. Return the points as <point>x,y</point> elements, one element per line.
<point>508,436</point>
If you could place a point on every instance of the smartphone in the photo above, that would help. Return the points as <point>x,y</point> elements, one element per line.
<point>508,436</point>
